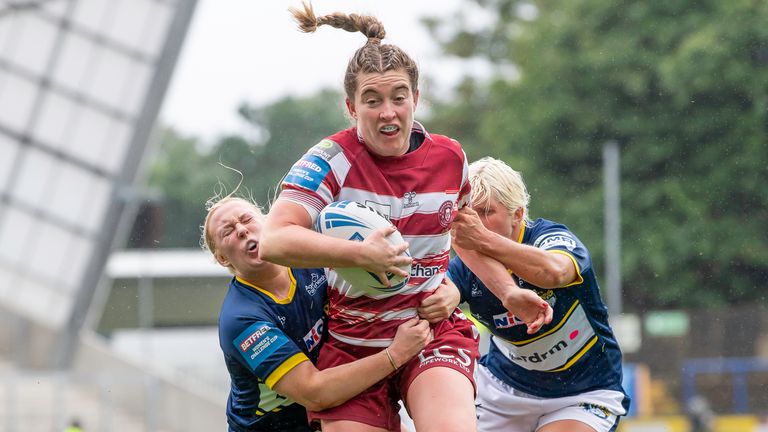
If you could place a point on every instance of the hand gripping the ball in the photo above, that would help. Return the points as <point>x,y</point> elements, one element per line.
<point>380,257</point>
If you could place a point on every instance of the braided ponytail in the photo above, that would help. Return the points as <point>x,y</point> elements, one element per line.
<point>373,57</point>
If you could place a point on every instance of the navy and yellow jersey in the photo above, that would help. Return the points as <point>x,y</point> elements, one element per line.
<point>576,352</point>
<point>263,338</point>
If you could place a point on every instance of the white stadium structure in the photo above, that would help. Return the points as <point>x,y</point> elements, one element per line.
<point>81,84</point>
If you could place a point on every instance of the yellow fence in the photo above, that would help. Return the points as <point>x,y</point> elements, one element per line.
<point>680,424</point>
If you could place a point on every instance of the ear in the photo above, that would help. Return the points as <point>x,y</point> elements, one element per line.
<point>519,214</point>
<point>351,108</point>
<point>416,99</point>
<point>221,259</point>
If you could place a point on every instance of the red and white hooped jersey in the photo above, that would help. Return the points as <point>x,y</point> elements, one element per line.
<point>419,192</point>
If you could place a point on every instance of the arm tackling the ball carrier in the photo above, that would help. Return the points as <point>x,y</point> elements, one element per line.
<point>322,389</point>
<point>525,304</point>
<point>543,268</point>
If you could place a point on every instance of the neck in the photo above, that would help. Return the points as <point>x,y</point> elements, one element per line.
<point>271,277</point>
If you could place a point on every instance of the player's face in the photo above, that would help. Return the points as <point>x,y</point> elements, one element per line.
<point>496,217</point>
<point>383,108</point>
<point>236,229</point>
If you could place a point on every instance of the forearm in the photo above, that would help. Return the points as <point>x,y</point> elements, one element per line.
<point>296,246</point>
<point>288,239</point>
<point>525,304</point>
<point>334,386</point>
<point>537,266</point>
<point>491,272</point>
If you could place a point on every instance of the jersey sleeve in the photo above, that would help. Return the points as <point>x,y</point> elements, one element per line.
<point>558,239</point>
<point>459,274</point>
<point>313,181</point>
<point>265,350</point>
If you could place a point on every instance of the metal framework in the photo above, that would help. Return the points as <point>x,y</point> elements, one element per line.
<point>81,84</point>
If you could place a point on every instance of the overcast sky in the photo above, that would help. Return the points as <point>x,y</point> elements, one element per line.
<point>250,50</point>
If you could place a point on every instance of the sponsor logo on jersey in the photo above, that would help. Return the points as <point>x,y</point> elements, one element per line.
<point>326,149</point>
<point>258,342</point>
<point>308,172</point>
<point>408,200</point>
<point>476,291</point>
<point>506,320</point>
<point>445,354</point>
<point>538,357</point>
<point>246,343</point>
<point>315,283</point>
<point>418,270</point>
<point>554,240</point>
<point>445,213</point>
<point>312,338</point>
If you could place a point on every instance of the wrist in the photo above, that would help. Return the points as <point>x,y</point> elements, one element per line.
<point>357,253</point>
<point>392,360</point>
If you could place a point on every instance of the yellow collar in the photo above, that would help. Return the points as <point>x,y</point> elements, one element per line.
<point>286,300</point>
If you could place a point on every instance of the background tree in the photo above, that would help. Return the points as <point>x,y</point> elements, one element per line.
<point>681,86</point>
<point>682,89</point>
<point>185,173</point>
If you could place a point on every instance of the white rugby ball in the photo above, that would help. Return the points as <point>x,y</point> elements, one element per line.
<point>351,220</point>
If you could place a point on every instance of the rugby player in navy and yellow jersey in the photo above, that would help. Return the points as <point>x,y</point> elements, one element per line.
<point>565,377</point>
<point>272,322</point>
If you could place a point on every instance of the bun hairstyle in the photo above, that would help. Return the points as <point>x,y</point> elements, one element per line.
<point>373,57</point>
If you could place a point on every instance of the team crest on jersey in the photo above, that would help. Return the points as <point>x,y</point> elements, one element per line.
<point>312,338</point>
<point>445,213</point>
<point>546,294</point>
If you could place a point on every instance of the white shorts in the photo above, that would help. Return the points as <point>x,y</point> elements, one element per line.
<point>502,408</point>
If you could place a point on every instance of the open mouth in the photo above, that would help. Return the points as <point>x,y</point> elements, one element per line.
<point>389,130</point>
<point>252,246</point>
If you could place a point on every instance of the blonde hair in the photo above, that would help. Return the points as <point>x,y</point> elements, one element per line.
<point>221,197</point>
<point>373,57</point>
<point>493,179</point>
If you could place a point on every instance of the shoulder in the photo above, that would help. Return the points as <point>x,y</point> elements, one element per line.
<point>451,146</point>
<point>337,153</point>
<point>239,311</point>
<point>442,142</point>
<point>547,234</point>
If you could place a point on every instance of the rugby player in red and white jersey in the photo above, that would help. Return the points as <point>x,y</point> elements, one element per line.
<point>419,180</point>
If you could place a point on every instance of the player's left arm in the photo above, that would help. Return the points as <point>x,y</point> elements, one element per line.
<point>543,268</point>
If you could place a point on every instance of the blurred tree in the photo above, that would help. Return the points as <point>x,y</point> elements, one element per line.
<point>186,174</point>
<point>181,178</point>
<point>682,86</point>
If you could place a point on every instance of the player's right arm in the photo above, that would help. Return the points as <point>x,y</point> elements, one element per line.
<point>524,303</point>
<point>318,390</point>
<point>289,240</point>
